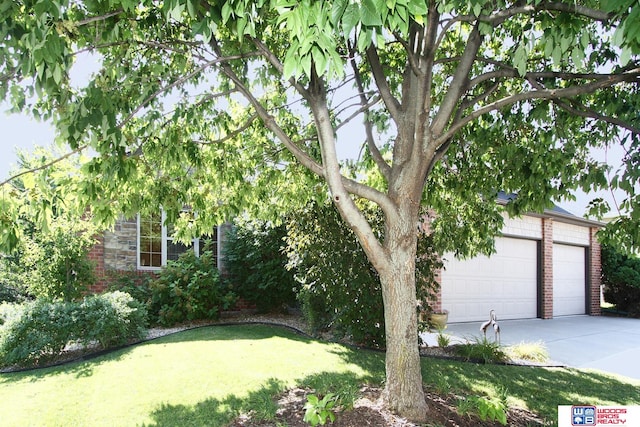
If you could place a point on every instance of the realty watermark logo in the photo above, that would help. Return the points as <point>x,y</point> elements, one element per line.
<point>591,415</point>
<point>583,415</point>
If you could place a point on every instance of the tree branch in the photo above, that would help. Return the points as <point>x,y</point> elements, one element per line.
<point>383,166</point>
<point>527,9</point>
<point>104,17</point>
<point>178,82</point>
<point>431,49</point>
<point>499,17</point>
<point>392,104</point>
<point>252,118</point>
<point>591,114</point>
<point>44,166</point>
<point>275,62</point>
<point>551,94</point>
<point>268,120</point>
<point>459,83</point>
<point>337,184</point>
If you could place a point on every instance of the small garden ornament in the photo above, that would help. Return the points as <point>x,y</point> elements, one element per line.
<point>492,322</point>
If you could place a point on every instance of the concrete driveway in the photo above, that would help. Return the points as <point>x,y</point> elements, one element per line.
<point>609,344</point>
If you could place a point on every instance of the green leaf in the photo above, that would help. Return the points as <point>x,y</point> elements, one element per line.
<point>625,56</point>
<point>520,60</point>
<point>477,9</point>
<point>350,18</point>
<point>338,9</point>
<point>365,39</point>
<point>418,7</point>
<point>320,60</point>
<point>369,14</point>
<point>226,12</point>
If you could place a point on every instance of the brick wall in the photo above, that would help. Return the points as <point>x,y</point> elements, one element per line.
<point>595,275</point>
<point>546,304</point>
<point>96,255</point>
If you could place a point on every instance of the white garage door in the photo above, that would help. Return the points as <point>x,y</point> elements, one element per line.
<point>505,282</point>
<point>569,284</point>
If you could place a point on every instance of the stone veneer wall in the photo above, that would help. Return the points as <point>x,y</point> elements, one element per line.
<point>121,245</point>
<point>116,251</point>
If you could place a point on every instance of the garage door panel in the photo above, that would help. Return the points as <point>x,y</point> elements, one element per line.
<point>569,280</point>
<point>505,282</point>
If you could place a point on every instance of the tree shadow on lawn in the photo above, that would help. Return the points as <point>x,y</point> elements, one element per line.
<point>261,403</point>
<point>542,389</point>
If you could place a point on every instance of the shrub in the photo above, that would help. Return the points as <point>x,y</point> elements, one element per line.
<point>53,263</point>
<point>487,408</point>
<point>111,319</point>
<point>340,288</point>
<point>38,331</point>
<point>621,280</point>
<point>9,293</point>
<point>189,289</point>
<point>135,284</point>
<point>256,265</point>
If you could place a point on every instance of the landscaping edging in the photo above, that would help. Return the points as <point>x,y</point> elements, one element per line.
<point>156,333</point>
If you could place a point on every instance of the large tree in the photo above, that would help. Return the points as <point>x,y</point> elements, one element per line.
<point>243,105</point>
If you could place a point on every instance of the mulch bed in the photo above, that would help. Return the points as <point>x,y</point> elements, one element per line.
<point>370,411</point>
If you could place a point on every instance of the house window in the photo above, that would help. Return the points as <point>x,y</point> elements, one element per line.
<point>150,241</point>
<point>156,245</point>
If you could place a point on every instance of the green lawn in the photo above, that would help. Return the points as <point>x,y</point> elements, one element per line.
<point>209,375</point>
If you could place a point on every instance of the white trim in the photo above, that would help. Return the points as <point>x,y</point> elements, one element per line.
<point>164,244</point>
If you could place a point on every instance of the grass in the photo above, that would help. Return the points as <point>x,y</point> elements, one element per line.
<point>207,376</point>
<point>530,351</point>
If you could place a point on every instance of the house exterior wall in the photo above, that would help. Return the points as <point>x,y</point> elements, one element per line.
<point>96,255</point>
<point>594,274</point>
<point>526,226</point>
<point>549,230</point>
<point>571,234</point>
<point>116,252</point>
<point>120,246</point>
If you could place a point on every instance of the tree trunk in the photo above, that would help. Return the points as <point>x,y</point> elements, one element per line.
<point>403,393</point>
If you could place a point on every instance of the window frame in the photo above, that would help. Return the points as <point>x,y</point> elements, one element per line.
<point>164,239</point>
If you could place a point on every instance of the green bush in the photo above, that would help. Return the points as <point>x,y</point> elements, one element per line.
<point>38,331</point>
<point>10,293</point>
<point>621,280</point>
<point>51,263</point>
<point>111,319</point>
<point>135,284</point>
<point>340,288</point>
<point>189,289</point>
<point>256,265</point>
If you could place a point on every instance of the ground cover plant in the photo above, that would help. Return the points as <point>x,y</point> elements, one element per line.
<point>212,376</point>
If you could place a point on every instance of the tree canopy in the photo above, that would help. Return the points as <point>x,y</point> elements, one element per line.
<point>243,105</point>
